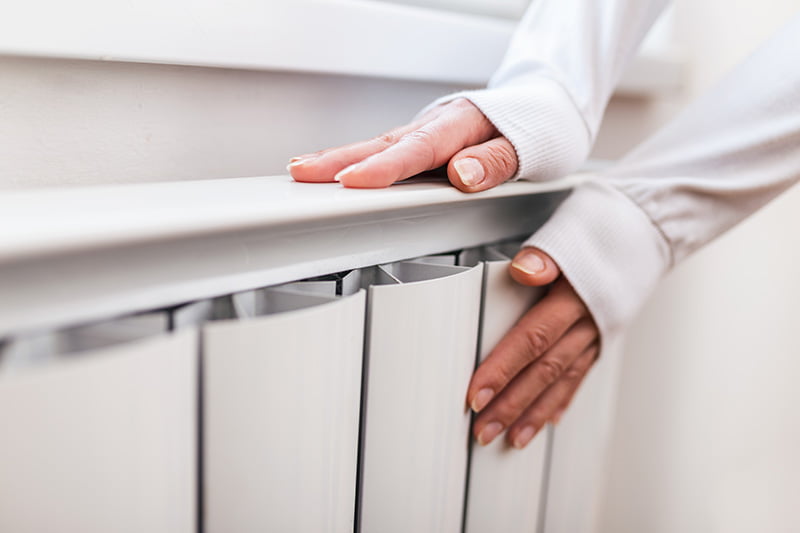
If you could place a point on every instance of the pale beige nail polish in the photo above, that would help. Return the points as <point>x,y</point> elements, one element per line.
<point>470,171</point>
<point>345,171</point>
<point>488,434</point>
<point>524,437</point>
<point>529,262</point>
<point>482,399</point>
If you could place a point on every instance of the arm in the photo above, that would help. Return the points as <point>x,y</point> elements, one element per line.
<point>537,120</point>
<point>724,157</point>
<point>720,160</point>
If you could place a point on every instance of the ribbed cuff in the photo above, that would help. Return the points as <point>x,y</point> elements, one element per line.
<point>541,122</point>
<point>608,249</point>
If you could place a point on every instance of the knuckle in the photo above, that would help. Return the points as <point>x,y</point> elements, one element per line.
<point>550,369</point>
<point>386,139</point>
<point>537,340</point>
<point>502,160</point>
<point>423,141</point>
<point>574,373</point>
<point>418,136</point>
<point>462,104</point>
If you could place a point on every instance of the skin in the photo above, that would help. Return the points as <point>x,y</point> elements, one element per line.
<point>456,134</point>
<point>533,373</point>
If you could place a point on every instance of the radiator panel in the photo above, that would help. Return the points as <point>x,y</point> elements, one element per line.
<point>505,484</point>
<point>281,406</point>
<point>103,441</point>
<point>580,449</point>
<point>421,352</point>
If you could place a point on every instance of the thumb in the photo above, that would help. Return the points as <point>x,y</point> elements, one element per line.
<point>533,267</point>
<point>483,166</point>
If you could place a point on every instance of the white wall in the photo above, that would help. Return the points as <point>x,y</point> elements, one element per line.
<point>708,421</point>
<point>68,122</point>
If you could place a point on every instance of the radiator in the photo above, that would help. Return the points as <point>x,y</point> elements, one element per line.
<point>260,355</point>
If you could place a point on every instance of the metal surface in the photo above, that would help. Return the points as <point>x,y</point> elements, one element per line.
<point>102,441</point>
<point>420,355</point>
<point>505,484</point>
<point>281,403</point>
<point>74,255</point>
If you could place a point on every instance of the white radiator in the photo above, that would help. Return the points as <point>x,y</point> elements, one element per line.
<point>162,370</point>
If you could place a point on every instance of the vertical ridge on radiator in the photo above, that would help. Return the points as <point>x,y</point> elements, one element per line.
<point>282,394</point>
<point>505,483</point>
<point>421,353</point>
<point>200,461</point>
<point>541,524</point>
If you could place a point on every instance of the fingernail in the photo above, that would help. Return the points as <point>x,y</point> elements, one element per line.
<point>295,164</point>
<point>344,172</point>
<point>481,399</point>
<point>524,437</point>
<point>470,171</point>
<point>488,434</point>
<point>298,161</point>
<point>528,262</point>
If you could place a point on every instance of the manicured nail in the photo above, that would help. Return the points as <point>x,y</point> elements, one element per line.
<point>488,434</point>
<point>481,399</point>
<point>345,171</point>
<point>529,262</point>
<point>524,437</point>
<point>294,164</point>
<point>299,160</point>
<point>470,171</point>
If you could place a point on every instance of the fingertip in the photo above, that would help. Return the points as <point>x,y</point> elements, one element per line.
<point>523,437</point>
<point>489,432</point>
<point>368,174</point>
<point>481,399</point>
<point>467,174</point>
<point>307,170</point>
<point>533,267</point>
<point>483,166</point>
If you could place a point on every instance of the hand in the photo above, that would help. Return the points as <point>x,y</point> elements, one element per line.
<point>531,376</point>
<point>455,134</point>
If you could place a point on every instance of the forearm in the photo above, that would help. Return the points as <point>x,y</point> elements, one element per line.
<point>720,160</point>
<point>726,155</point>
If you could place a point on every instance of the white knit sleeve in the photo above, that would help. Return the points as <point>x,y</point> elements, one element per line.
<point>724,157</point>
<point>550,92</point>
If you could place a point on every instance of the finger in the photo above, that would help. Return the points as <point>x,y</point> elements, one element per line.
<point>531,336</point>
<point>533,381</point>
<point>561,392</point>
<point>533,267</point>
<point>322,166</point>
<point>556,418</point>
<point>427,147</point>
<point>483,166</point>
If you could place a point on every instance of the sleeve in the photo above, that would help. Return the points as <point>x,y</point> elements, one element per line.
<point>724,157</point>
<point>550,92</point>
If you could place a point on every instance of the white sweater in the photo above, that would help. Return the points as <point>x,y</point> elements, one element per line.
<point>721,159</point>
